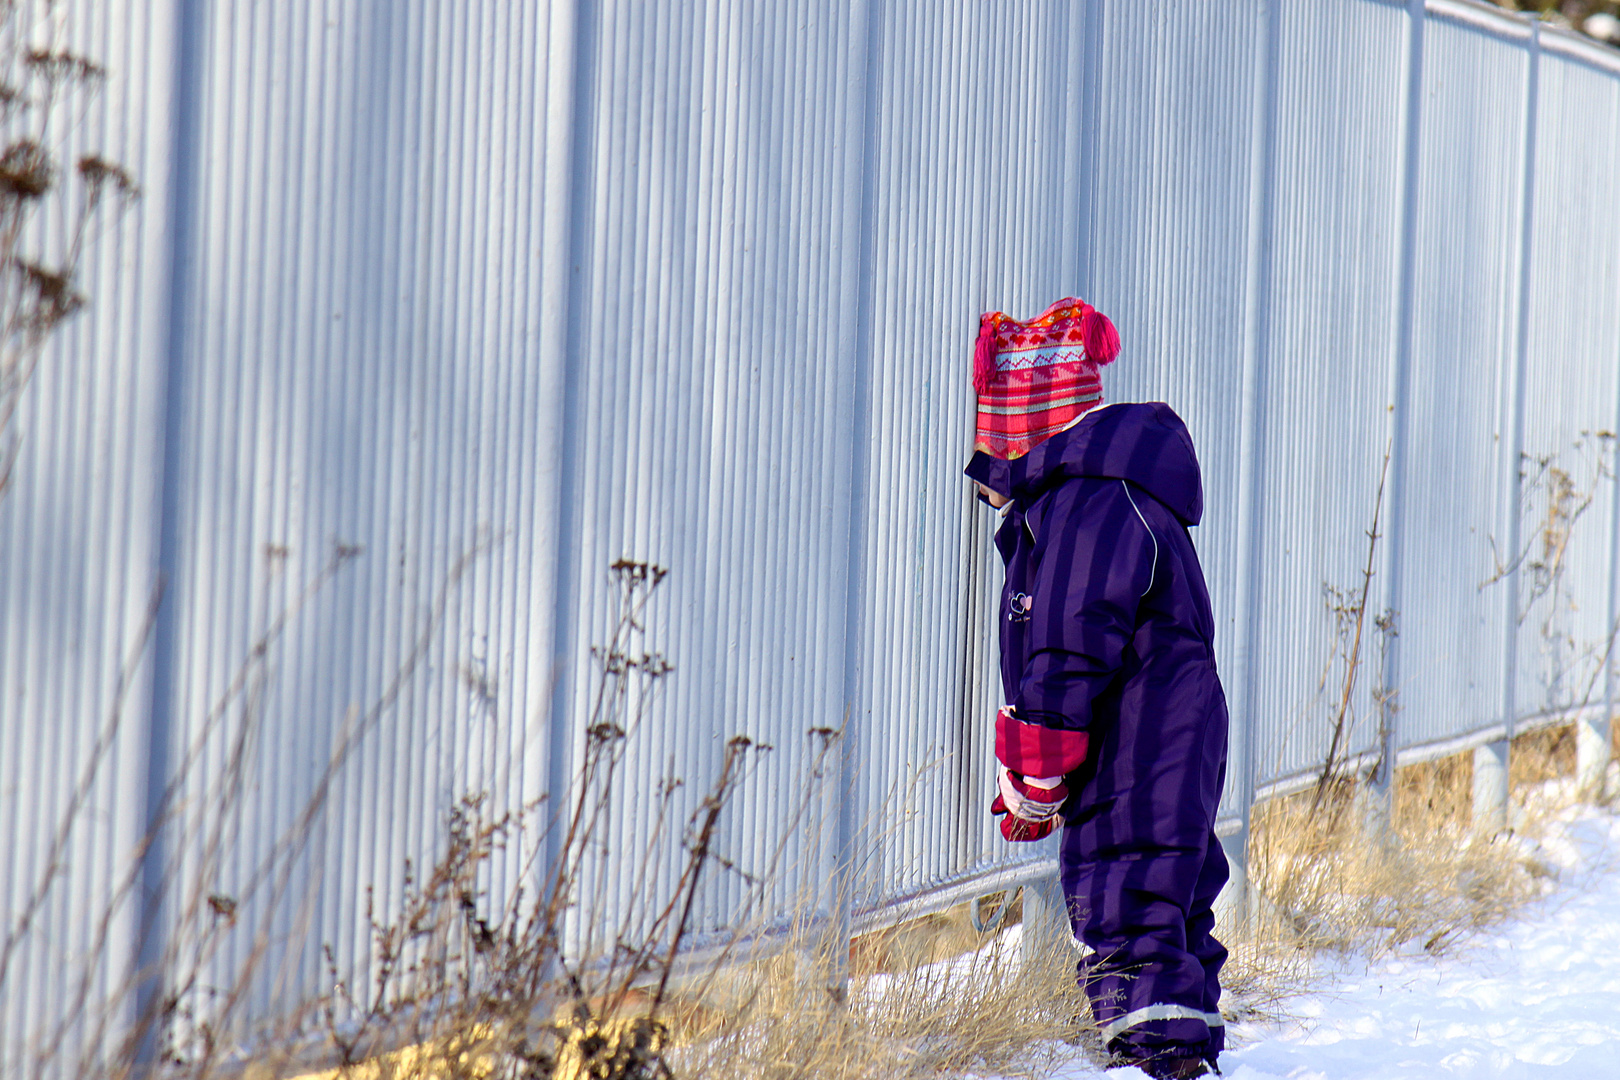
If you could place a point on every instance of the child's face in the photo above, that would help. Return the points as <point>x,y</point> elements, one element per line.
<point>994,498</point>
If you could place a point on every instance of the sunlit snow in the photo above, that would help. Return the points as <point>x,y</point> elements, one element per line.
<point>1536,997</point>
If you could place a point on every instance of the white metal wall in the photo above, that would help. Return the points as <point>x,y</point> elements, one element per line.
<point>1330,343</point>
<point>1569,404</point>
<point>1466,286</point>
<point>464,302</point>
<point>716,380</point>
<point>360,367</point>
<point>78,533</point>
<point>1168,246</point>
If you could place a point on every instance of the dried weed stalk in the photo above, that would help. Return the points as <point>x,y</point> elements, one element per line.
<point>528,988</point>
<point>561,981</point>
<point>1325,881</point>
<point>529,991</point>
<point>1343,669</point>
<point>45,90</point>
<point>107,1028</point>
<point>1328,885</point>
<point>1556,491</point>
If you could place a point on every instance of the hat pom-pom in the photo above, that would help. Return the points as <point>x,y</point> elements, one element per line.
<point>984,362</point>
<point>1100,337</point>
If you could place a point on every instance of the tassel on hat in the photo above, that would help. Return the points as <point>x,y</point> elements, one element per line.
<point>1097,333</point>
<point>984,353</point>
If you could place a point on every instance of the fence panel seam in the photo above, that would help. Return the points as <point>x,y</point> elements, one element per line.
<point>859,471</point>
<point>1515,388</point>
<point>574,285</point>
<point>151,930</point>
<point>1400,382</point>
<point>1252,438</point>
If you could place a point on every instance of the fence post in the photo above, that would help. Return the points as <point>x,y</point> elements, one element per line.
<point>1592,734</point>
<point>846,838</point>
<point>1085,145</point>
<point>565,306</point>
<point>1380,803</point>
<point>152,925</point>
<point>1251,453</point>
<point>1491,761</point>
<point>1046,924</point>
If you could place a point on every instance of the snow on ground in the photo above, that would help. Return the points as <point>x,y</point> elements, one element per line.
<point>1536,997</point>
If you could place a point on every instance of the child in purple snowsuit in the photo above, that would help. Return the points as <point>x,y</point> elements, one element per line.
<point>1115,720</point>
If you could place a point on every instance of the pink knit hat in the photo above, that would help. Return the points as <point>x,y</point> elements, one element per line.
<point>1035,378</point>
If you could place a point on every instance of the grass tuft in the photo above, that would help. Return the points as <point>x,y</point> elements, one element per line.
<point>1329,880</point>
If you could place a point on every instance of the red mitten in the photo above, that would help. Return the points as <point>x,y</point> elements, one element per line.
<point>1031,805</point>
<point>1035,750</point>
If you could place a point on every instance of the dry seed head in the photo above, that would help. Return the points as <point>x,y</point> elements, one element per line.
<point>56,298</point>
<point>26,170</point>
<point>98,173</point>
<point>63,66</point>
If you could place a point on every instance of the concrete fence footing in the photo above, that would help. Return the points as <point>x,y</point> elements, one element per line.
<point>1046,920</point>
<point>1491,786</point>
<point>1592,755</point>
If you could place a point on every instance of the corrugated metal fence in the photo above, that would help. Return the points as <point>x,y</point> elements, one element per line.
<point>432,311</point>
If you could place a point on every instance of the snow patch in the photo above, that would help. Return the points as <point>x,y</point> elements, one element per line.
<point>1536,998</point>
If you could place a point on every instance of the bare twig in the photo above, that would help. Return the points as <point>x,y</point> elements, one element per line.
<point>39,290</point>
<point>1356,615</point>
<point>88,777</point>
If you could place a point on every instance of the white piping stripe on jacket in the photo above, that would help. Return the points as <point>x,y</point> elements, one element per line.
<point>1160,1012</point>
<point>1155,571</point>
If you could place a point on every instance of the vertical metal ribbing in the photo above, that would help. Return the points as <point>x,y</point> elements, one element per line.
<point>151,941</point>
<point>1085,195</point>
<point>567,313</point>
<point>1399,410</point>
<point>1592,735</point>
<point>846,840</point>
<point>1257,325</point>
<point>1491,760</point>
<point>1078,123</point>
<point>1593,738</point>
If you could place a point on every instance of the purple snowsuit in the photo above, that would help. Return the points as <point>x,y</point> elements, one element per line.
<point>1106,628</point>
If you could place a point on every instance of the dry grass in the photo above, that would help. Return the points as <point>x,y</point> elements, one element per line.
<point>1328,882</point>
<point>466,989</point>
<point>932,938</point>
<point>1328,874</point>
<point>1542,755</point>
<point>990,1009</point>
<point>933,997</point>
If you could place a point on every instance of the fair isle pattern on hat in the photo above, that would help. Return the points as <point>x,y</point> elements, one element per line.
<point>1035,378</point>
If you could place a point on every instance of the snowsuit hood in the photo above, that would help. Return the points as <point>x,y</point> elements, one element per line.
<point>1146,444</point>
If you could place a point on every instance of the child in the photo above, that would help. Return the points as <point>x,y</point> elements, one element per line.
<point>1115,720</point>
